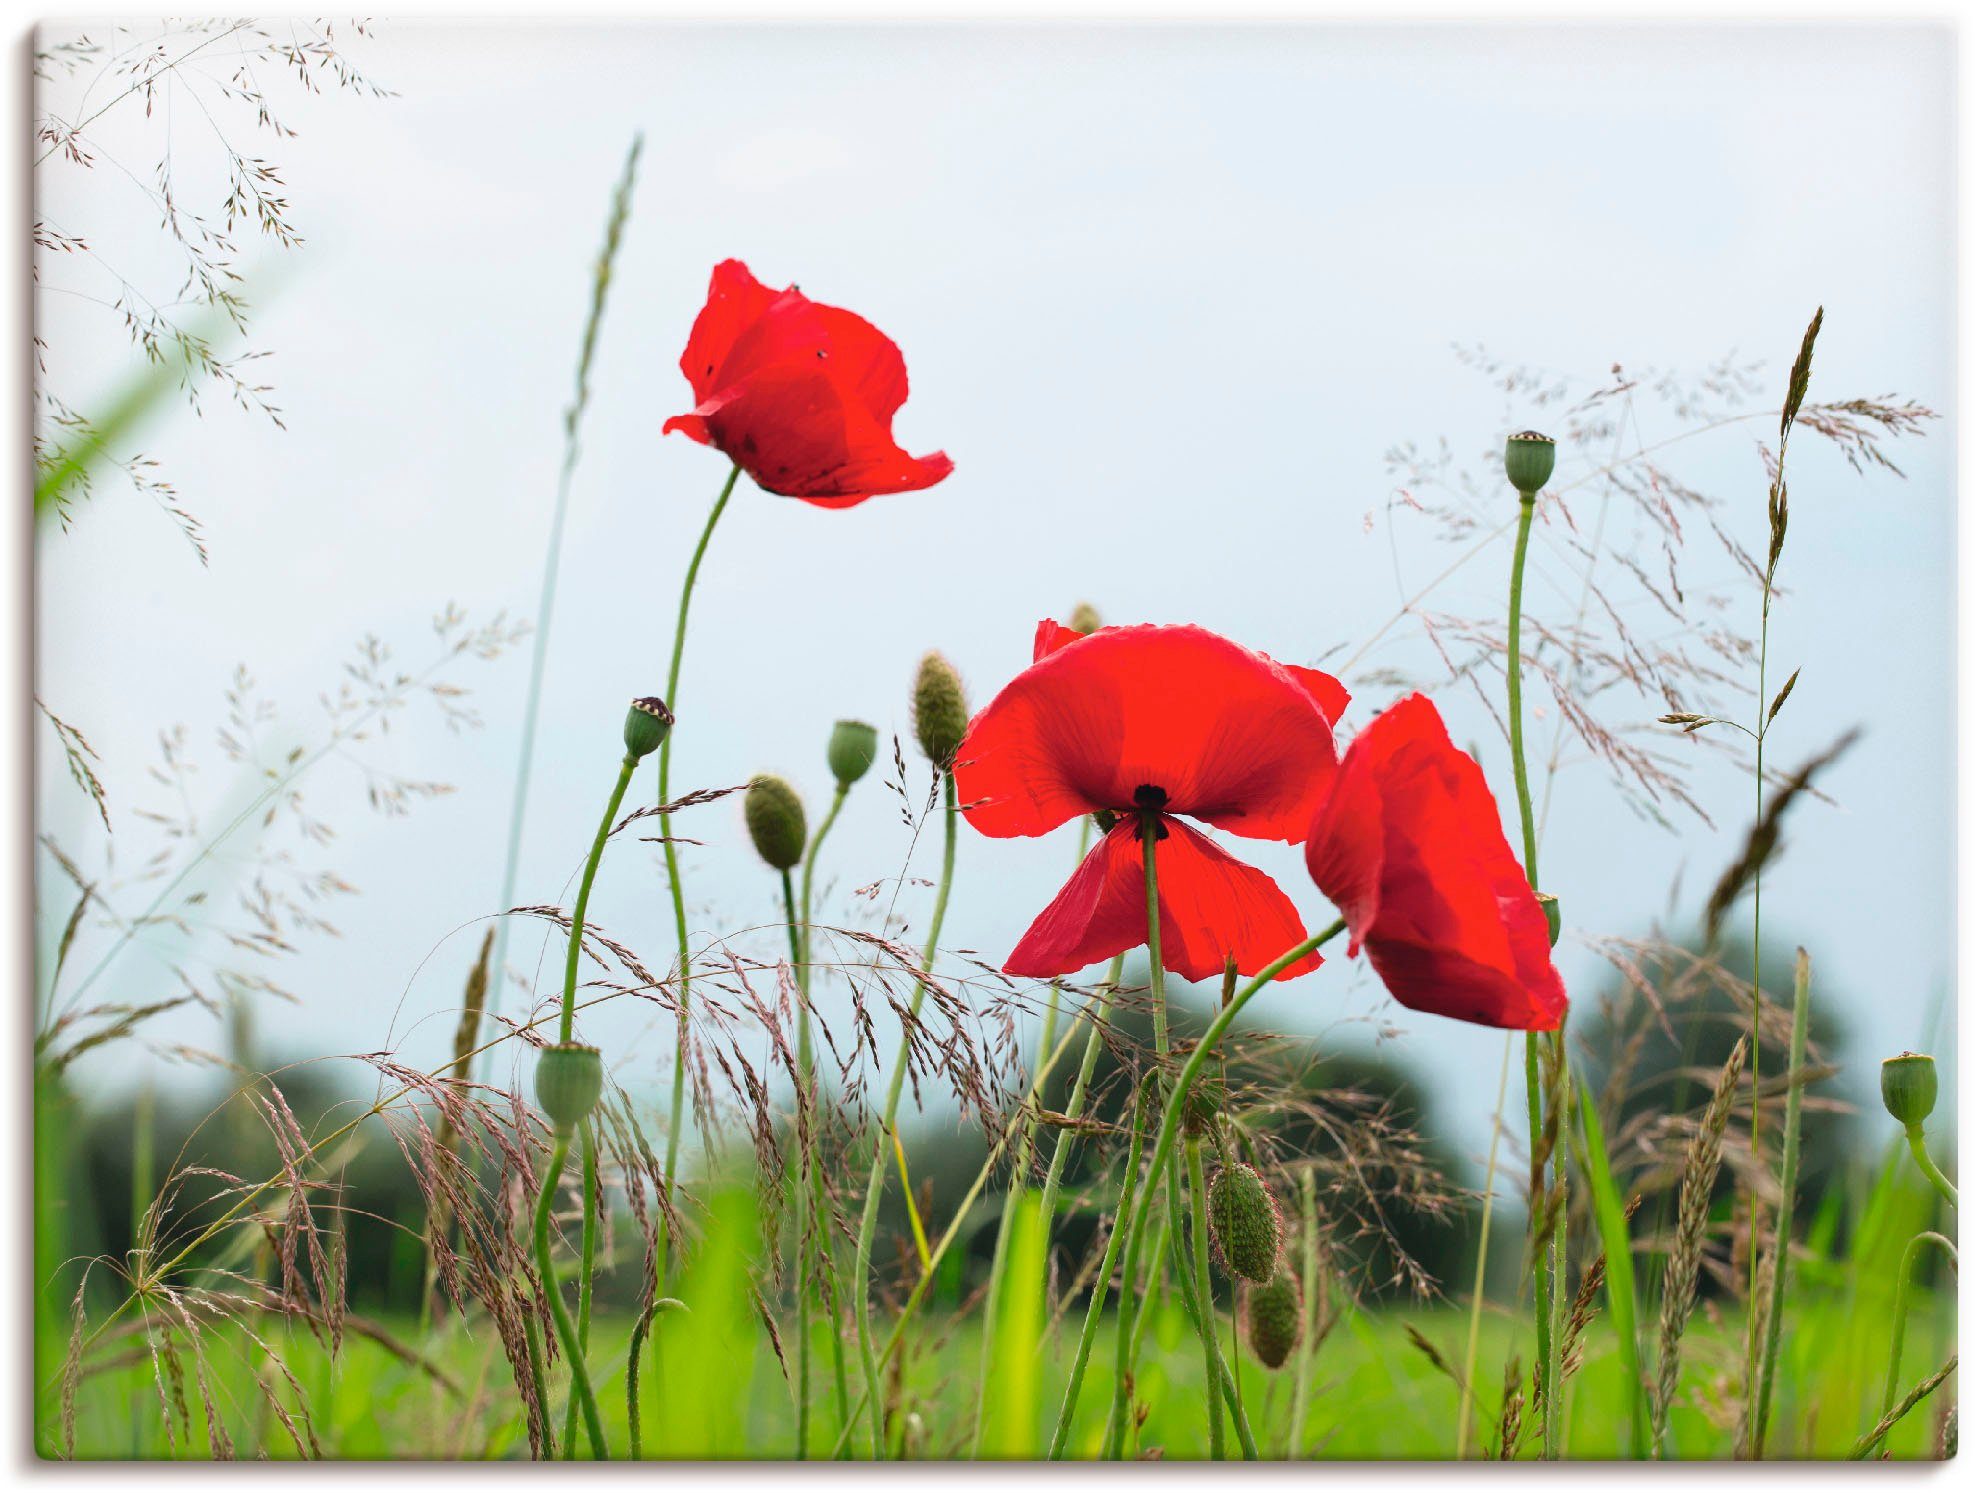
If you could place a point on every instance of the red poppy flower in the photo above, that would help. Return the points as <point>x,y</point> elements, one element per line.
<point>1409,847</point>
<point>1170,720</point>
<point>801,396</point>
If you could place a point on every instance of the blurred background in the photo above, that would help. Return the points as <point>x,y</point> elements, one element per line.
<point>1224,326</point>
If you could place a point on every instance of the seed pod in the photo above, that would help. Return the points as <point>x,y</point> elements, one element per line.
<point>1084,619</point>
<point>851,750</point>
<point>941,713</point>
<point>1529,461</point>
<point>1911,1088</point>
<point>569,1078</point>
<point>1274,1317</point>
<point>647,724</point>
<point>1244,1223</point>
<point>775,816</point>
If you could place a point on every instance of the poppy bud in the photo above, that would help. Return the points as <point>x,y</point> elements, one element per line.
<point>569,1079</point>
<point>1206,1098</point>
<point>775,816</point>
<point>1274,1319</point>
<point>1911,1088</point>
<point>1529,461</point>
<point>647,724</point>
<point>941,713</point>
<point>1244,1222</point>
<point>1551,905</point>
<point>1084,619</point>
<point>851,750</point>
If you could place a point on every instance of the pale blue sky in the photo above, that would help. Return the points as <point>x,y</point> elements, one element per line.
<point>1166,296</point>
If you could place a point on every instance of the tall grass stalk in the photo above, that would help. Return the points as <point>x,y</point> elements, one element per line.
<point>1467,1401</point>
<point>601,283</point>
<point>1778,1261</point>
<point>1311,1309</point>
<point>1619,1276</point>
<point>877,1174</point>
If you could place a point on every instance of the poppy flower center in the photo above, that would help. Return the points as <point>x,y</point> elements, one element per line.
<point>1148,796</point>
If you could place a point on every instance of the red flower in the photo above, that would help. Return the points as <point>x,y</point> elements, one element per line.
<point>801,396</point>
<point>1172,720</point>
<point>1409,847</point>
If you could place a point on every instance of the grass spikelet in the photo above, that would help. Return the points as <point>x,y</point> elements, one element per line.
<point>1701,1172</point>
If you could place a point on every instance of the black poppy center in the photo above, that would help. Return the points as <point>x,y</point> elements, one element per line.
<point>1148,796</point>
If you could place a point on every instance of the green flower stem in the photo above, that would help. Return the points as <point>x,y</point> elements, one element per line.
<point>588,1151</point>
<point>1165,1140</point>
<point>1310,1305</point>
<point>1076,1101</point>
<point>667,844</point>
<point>638,1341</point>
<point>576,942</point>
<point>1914,1137</point>
<point>877,1176</point>
<point>1097,1302</point>
<point>1770,1343</point>
<point>1899,1310</point>
<point>1544,1251</point>
<point>1199,1225</point>
<point>807,1170</point>
<point>810,865</point>
<point>539,1382</point>
<point>1185,1287</point>
<point>1131,1317</point>
<point>594,1428</point>
<point>1467,1399</point>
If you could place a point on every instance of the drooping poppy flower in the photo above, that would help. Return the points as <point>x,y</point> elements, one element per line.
<point>1409,847</point>
<point>1165,721</point>
<point>801,396</point>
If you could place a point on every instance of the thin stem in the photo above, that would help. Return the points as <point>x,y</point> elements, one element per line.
<point>1310,1308</point>
<point>637,1342</point>
<point>539,1383</point>
<point>667,839</point>
<point>1784,1220</point>
<point>804,899</point>
<point>877,1175</point>
<point>1076,1101</point>
<point>546,604</point>
<point>1467,1399</point>
<point>588,1151</point>
<point>806,1168</point>
<point>594,1427</point>
<point>1914,1137</point>
<point>1199,1227</point>
<point>576,942</point>
<point>1900,1310</point>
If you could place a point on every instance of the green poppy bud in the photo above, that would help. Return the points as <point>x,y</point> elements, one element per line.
<point>1911,1088</point>
<point>647,724</point>
<point>851,751</point>
<point>1273,1318</point>
<point>569,1079</point>
<point>1084,619</point>
<point>1244,1223</point>
<point>775,816</point>
<point>941,713</point>
<point>1206,1099</point>
<point>1529,461</point>
<point>1551,905</point>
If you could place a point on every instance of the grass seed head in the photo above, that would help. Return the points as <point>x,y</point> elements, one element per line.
<point>775,815</point>
<point>1244,1222</point>
<point>941,711</point>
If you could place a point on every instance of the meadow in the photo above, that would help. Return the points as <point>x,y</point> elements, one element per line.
<point>1061,1198</point>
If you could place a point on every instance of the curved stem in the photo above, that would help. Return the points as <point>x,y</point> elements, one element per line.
<point>594,1428</point>
<point>637,1342</point>
<point>1899,1311</point>
<point>588,1151</point>
<point>1076,1101</point>
<point>1914,1137</point>
<point>1199,1224</point>
<point>576,942</point>
<point>876,1177</point>
<point>667,840</point>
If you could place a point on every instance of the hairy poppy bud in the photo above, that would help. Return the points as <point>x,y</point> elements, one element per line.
<point>941,713</point>
<point>1206,1098</point>
<point>647,724</point>
<point>1529,461</point>
<point>1244,1222</point>
<point>569,1079</point>
<point>775,816</point>
<point>1084,619</point>
<point>1274,1319</point>
<point>1911,1088</point>
<point>851,751</point>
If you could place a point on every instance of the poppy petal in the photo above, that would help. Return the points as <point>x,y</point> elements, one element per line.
<point>1211,906</point>
<point>1228,736</point>
<point>1409,846</point>
<point>736,301</point>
